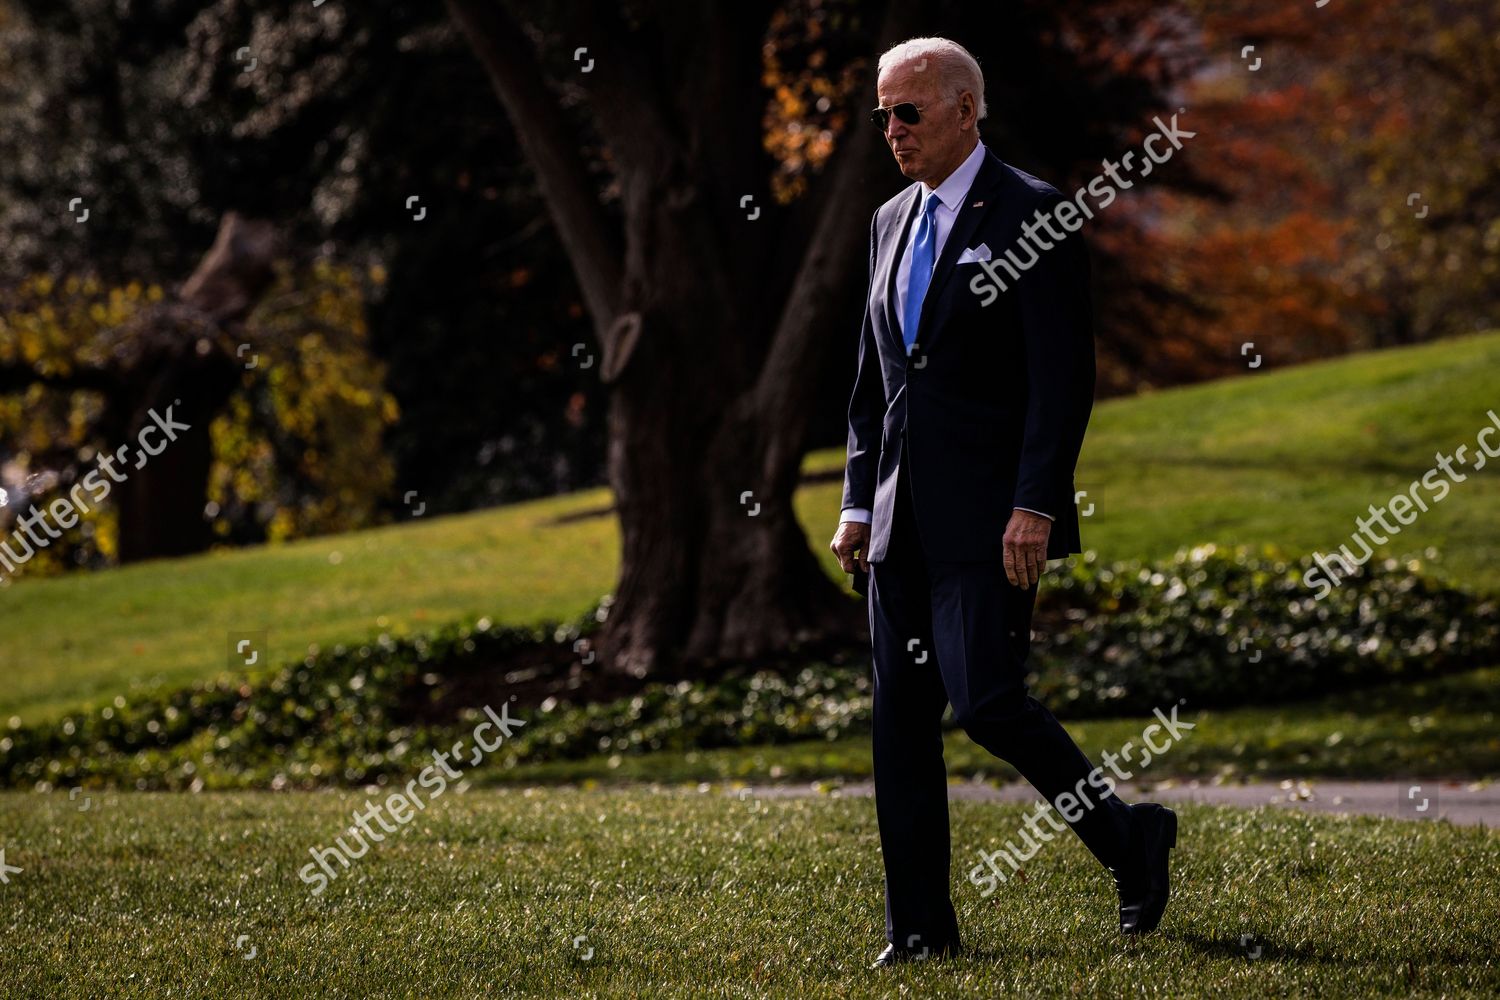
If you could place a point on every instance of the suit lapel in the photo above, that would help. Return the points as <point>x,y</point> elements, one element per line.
<point>892,243</point>
<point>976,204</point>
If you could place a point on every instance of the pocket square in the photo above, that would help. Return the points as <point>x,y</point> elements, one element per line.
<point>974,255</point>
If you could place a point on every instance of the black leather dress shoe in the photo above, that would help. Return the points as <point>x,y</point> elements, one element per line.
<point>893,955</point>
<point>1145,886</point>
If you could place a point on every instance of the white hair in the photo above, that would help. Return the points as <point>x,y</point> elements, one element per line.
<point>958,70</point>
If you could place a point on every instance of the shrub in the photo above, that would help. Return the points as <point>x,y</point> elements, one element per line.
<point>1225,627</point>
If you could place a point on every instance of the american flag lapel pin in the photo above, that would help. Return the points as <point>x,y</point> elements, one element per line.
<point>977,204</point>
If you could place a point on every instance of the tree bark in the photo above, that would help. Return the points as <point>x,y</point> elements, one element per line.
<point>161,503</point>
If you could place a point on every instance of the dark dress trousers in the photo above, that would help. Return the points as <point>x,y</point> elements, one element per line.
<point>986,413</point>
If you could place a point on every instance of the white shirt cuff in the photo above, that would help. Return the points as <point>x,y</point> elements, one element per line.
<point>1037,512</point>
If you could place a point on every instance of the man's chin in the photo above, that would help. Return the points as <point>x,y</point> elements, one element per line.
<point>910,168</point>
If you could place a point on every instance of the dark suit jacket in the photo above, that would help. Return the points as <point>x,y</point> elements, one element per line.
<point>994,400</point>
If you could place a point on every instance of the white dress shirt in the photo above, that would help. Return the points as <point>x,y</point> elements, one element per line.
<point>950,196</point>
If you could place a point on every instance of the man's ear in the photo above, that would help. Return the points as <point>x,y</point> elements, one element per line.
<point>968,111</point>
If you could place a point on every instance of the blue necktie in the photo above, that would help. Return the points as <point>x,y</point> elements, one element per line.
<point>920,274</point>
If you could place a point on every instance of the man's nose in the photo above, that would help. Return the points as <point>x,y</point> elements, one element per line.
<point>896,128</point>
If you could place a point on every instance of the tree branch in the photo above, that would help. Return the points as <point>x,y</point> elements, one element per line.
<point>236,271</point>
<point>536,122</point>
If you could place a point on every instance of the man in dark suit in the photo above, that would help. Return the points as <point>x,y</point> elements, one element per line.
<point>965,424</point>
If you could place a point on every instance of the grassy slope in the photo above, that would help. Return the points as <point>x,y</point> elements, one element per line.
<point>685,894</point>
<point>1288,458</point>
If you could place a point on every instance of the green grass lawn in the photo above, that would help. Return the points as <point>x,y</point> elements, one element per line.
<point>1288,458</point>
<point>1444,728</point>
<point>673,893</point>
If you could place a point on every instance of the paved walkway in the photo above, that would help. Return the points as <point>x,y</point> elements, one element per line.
<point>1464,803</point>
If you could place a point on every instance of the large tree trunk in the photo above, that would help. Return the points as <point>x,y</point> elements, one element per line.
<point>715,566</point>
<point>161,503</point>
<point>182,357</point>
<point>713,329</point>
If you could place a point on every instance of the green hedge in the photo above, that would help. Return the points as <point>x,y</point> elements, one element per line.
<point>340,716</point>
<point>1225,627</point>
<point>1113,640</point>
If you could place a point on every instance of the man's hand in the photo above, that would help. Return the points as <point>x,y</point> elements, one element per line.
<point>852,537</point>
<point>1026,547</point>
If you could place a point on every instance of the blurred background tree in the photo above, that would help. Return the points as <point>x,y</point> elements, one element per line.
<point>1366,179</point>
<point>281,408</point>
<point>152,117</point>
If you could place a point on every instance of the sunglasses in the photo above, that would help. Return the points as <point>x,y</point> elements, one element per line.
<point>906,112</point>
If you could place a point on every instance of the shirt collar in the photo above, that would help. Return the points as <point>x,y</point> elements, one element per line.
<point>956,185</point>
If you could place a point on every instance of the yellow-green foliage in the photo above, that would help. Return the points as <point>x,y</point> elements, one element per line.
<point>55,328</point>
<point>298,447</point>
<point>316,384</point>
